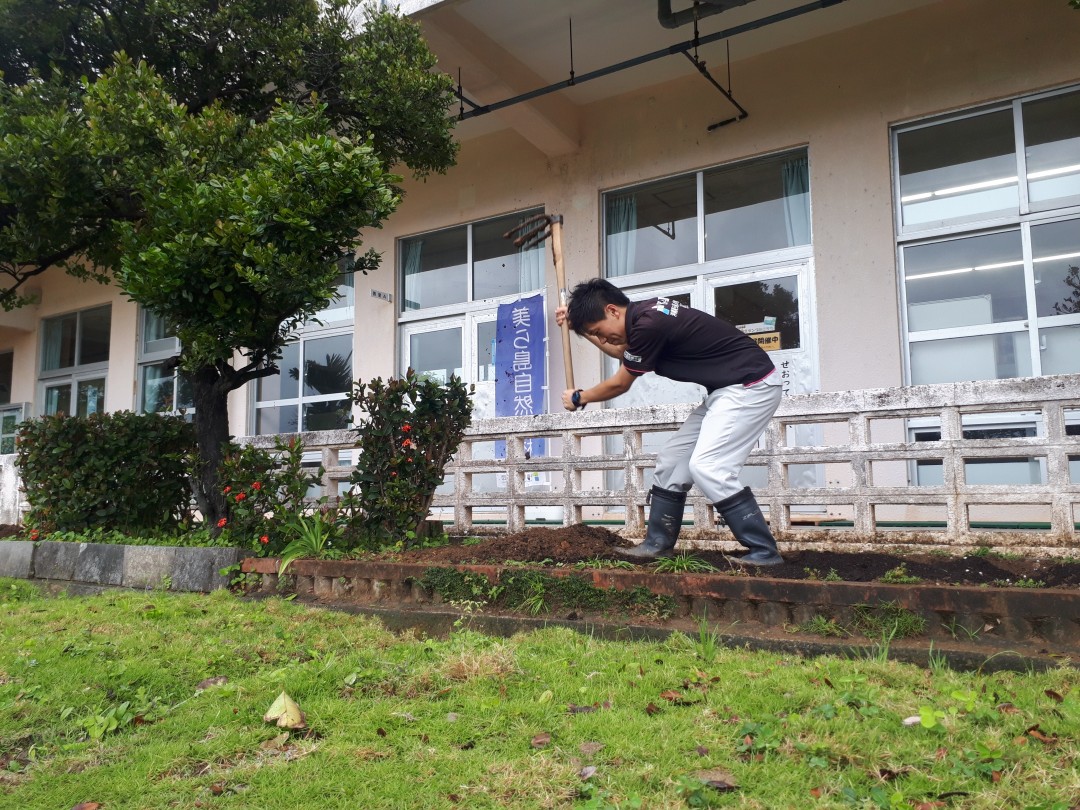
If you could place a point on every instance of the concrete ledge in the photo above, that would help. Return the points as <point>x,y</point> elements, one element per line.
<point>16,558</point>
<point>989,620</point>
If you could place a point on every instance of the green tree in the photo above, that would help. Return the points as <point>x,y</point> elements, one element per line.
<point>218,161</point>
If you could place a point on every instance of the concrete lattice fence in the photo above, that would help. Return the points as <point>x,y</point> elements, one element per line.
<point>835,470</point>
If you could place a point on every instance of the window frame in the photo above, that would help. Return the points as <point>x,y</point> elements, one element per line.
<point>78,373</point>
<point>1022,222</point>
<point>738,263</point>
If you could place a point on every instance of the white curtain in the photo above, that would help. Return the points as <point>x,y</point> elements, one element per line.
<point>796,201</point>
<point>530,266</point>
<point>621,234</point>
<point>413,249</point>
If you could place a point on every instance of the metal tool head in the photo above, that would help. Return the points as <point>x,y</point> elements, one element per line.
<point>533,231</point>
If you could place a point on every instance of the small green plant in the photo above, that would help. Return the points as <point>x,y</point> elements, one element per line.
<point>708,643</point>
<point>982,762</point>
<point>458,586</point>
<point>889,619</point>
<point>682,563</point>
<point>832,576</point>
<point>313,536</point>
<point>956,629</point>
<point>822,626</point>
<point>900,576</point>
<point>1026,582</point>
<point>601,563</point>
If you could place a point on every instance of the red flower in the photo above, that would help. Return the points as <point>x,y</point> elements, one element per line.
<point>256,486</point>
<point>240,496</point>
<point>227,490</point>
<point>264,539</point>
<point>406,443</point>
<point>393,474</point>
<point>409,458</point>
<point>34,534</point>
<point>221,523</point>
<point>406,428</point>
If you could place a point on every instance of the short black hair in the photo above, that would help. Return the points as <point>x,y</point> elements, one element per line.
<point>587,302</point>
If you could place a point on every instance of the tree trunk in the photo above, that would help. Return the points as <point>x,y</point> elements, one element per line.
<point>211,395</point>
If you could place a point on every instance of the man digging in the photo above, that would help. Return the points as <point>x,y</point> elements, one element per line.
<point>743,392</point>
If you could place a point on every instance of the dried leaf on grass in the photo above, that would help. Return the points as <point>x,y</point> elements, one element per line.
<point>218,680</point>
<point>541,740</point>
<point>87,806</point>
<point>285,713</point>
<point>717,779</point>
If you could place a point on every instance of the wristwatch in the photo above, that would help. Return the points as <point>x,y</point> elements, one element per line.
<point>575,399</point>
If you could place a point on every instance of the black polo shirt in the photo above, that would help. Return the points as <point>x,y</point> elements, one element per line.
<point>688,345</point>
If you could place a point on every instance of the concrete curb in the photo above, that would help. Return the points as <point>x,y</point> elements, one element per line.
<point>79,566</point>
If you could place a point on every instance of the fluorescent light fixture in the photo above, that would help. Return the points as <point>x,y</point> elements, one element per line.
<point>1057,258</point>
<point>941,273</point>
<point>1054,172</point>
<point>999,265</point>
<point>945,192</point>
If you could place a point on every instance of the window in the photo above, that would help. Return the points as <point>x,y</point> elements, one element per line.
<point>734,241</point>
<point>1002,301</point>
<point>161,388</point>
<point>74,361</point>
<point>451,283</point>
<point>746,208</point>
<point>311,390</point>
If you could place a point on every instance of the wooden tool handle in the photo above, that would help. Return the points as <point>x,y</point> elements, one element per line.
<point>560,279</point>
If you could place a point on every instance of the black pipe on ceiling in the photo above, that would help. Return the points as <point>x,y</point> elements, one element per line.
<point>683,47</point>
<point>673,19</point>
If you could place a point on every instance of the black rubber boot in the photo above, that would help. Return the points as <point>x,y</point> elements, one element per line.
<point>743,516</point>
<point>665,521</point>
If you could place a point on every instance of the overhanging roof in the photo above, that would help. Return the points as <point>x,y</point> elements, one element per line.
<point>505,48</point>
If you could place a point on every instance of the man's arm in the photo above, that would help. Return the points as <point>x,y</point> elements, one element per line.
<point>618,383</point>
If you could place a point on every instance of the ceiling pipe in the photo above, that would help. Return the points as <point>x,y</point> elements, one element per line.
<point>683,47</point>
<point>674,19</point>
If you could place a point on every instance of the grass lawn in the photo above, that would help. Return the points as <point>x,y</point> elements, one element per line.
<point>109,701</point>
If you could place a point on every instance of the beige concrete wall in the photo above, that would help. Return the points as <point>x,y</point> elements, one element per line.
<point>838,95</point>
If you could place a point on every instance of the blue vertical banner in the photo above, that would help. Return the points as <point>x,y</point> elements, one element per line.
<point>520,332</point>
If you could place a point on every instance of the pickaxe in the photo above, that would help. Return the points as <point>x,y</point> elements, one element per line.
<point>530,233</point>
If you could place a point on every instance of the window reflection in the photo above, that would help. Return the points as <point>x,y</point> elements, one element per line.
<point>762,309</point>
<point>959,171</point>
<point>651,226</point>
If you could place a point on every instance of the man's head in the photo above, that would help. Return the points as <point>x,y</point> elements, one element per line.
<point>598,308</point>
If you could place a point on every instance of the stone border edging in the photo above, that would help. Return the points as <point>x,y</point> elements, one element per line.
<point>994,619</point>
<point>110,565</point>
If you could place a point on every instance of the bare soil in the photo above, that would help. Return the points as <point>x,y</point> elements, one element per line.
<point>578,543</point>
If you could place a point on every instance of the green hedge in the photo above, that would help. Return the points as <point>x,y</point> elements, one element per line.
<point>123,471</point>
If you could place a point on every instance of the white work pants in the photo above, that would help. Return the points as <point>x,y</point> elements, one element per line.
<point>716,439</point>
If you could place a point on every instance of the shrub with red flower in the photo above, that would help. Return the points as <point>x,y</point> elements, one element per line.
<point>408,430</point>
<point>221,523</point>
<point>268,488</point>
